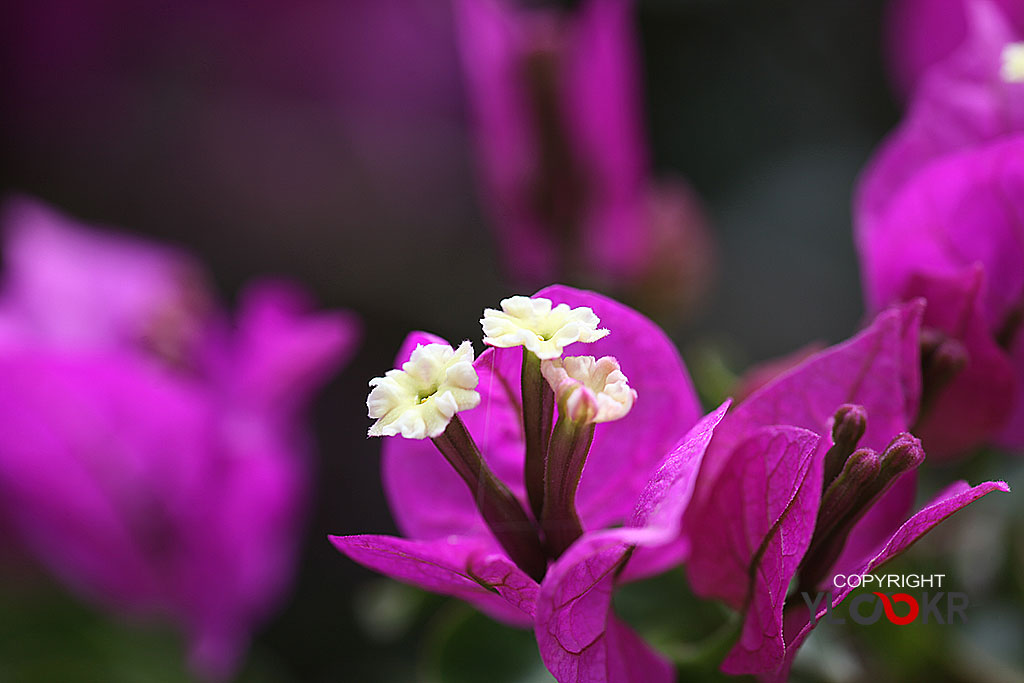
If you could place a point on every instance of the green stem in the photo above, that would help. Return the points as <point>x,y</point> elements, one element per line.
<point>706,656</point>
<point>538,414</point>
<point>567,454</point>
<point>507,519</point>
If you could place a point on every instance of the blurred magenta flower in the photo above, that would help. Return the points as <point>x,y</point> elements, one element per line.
<point>953,236</point>
<point>810,476</point>
<point>453,542</point>
<point>963,101</point>
<point>153,452</point>
<point>557,105</point>
<point>922,33</point>
<point>937,215</point>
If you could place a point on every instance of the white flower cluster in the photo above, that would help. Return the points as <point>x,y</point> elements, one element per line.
<point>419,400</point>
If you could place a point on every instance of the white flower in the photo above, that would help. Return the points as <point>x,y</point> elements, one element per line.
<point>1013,63</point>
<point>544,330</point>
<point>419,400</point>
<point>589,389</point>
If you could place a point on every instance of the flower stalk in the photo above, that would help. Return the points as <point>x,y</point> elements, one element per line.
<point>942,359</point>
<point>506,518</point>
<point>570,444</point>
<point>538,415</point>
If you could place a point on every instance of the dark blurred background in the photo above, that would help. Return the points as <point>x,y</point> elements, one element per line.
<point>328,141</point>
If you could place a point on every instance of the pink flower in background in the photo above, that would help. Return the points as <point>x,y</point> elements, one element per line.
<point>448,548</point>
<point>963,101</point>
<point>937,215</point>
<point>153,452</point>
<point>557,105</point>
<point>953,236</point>
<point>810,476</point>
<point>922,33</point>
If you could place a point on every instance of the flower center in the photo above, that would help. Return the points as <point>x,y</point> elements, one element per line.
<point>1013,63</point>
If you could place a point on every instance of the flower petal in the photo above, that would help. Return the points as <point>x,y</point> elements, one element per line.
<point>921,34</point>
<point>977,402</point>
<point>101,459</point>
<point>961,103</point>
<point>579,638</point>
<point>749,533</point>
<point>470,568</point>
<point>429,500</point>
<point>284,351</point>
<point>808,394</point>
<point>70,285</point>
<point>955,497</point>
<point>961,210</point>
<point>662,503</point>
<point>591,54</point>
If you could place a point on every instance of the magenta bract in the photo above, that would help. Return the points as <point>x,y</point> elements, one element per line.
<point>937,216</point>
<point>922,33</point>
<point>556,103</point>
<point>152,451</point>
<point>752,518</point>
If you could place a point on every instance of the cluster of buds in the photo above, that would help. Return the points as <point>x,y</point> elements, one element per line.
<point>423,398</point>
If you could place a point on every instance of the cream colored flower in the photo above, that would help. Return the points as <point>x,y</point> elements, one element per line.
<point>534,324</point>
<point>419,400</point>
<point>1013,63</point>
<point>589,389</point>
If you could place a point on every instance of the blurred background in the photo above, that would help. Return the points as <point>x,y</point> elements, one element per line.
<point>331,142</point>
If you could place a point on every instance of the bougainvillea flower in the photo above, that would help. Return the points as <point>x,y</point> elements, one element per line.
<point>952,235</point>
<point>936,216</point>
<point>827,499</point>
<point>450,545</point>
<point>963,102</point>
<point>922,33</point>
<point>152,451</point>
<point>557,107</point>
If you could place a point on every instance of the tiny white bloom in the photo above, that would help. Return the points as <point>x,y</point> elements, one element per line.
<point>1013,63</point>
<point>541,328</point>
<point>419,400</point>
<point>591,390</point>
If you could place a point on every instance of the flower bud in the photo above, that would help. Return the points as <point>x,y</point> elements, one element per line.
<point>843,495</point>
<point>848,425</point>
<point>903,454</point>
<point>589,390</point>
